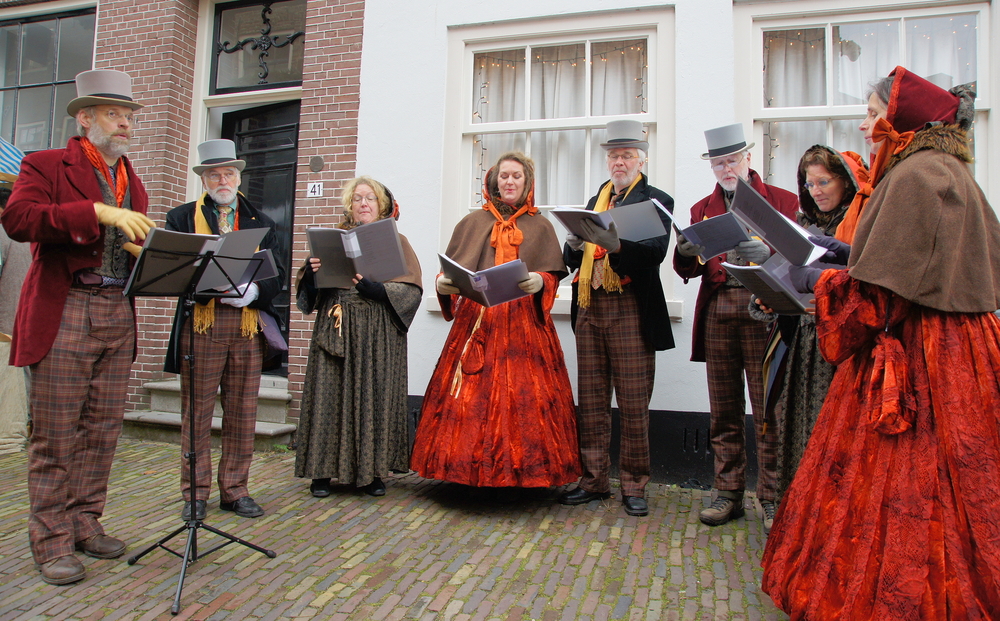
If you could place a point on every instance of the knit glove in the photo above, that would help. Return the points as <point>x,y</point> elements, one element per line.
<point>686,248</point>
<point>132,223</point>
<point>445,286</point>
<point>804,277</point>
<point>574,242</point>
<point>533,284</point>
<point>753,251</point>
<point>249,296</point>
<point>371,289</point>
<point>593,233</point>
<point>838,253</point>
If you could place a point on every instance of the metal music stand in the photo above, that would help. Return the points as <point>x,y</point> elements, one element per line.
<point>175,269</point>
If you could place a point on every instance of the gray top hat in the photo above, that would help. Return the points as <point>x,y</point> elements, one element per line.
<point>725,141</point>
<point>215,153</point>
<point>627,133</point>
<point>102,87</point>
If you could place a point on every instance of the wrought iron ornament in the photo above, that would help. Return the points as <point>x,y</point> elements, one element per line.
<point>263,43</point>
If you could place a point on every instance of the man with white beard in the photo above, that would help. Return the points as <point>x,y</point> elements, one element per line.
<point>227,341</point>
<point>80,207</point>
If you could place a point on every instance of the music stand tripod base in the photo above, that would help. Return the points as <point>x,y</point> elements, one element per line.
<point>164,265</point>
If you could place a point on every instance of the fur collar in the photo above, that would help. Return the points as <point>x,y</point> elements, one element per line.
<point>948,139</point>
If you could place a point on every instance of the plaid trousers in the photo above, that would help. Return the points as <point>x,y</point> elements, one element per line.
<point>612,353</point>
<point>78,395</point>
<point>226,360</point>
<point>734,345</point>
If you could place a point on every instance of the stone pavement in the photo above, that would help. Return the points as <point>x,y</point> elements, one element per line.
<point>425,551</point>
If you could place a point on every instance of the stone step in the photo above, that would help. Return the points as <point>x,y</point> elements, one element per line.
<point>166,427</point>
<point>272,403</point>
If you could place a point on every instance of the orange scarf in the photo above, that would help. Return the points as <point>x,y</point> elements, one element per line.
<point>120,184</point>
<point>892,143</point>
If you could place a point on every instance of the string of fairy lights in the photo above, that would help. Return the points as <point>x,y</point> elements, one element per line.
<point>511,59</point>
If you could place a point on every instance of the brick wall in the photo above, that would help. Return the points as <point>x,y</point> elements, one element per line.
<point>331,84</point>
<point>154,42</point>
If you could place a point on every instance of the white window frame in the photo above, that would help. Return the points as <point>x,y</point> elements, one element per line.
<point>752,20</point>
<point>655,24</point>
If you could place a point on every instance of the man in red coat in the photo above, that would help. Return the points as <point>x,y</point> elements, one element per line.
<point>726,338</point>
<point>79,207</point>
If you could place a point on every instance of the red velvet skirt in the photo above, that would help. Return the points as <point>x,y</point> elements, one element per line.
<point>498,411</point>
<point>894,512</point>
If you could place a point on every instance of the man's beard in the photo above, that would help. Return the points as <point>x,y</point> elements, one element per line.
<point>222,196</point>
<point>108,144</point>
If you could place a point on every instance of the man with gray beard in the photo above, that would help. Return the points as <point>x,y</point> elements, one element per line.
<point>228,342</point>
<point>80,207</point>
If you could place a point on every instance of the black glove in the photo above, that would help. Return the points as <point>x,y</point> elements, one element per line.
<point>838,250</point>
<point>804,277</point>
<point>372,289</point>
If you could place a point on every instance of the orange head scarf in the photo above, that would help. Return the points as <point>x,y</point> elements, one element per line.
<point>506,237</point>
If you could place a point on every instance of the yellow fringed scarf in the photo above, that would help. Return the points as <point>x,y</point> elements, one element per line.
<point>204,314</point>
<point>612,282</point>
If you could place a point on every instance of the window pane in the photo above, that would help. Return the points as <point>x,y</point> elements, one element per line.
<point>784,144</point>
<point>37,52</point>
<point>241,68</point>
<point>942,49</point>
<point>619,77</point>
<point>498,86</point>
<point>486,150</point>
<point>863,53</point>
<point>558,81</point>
<point>34,113</point>
<point>795,68</point>
<point>559,158</point>
<point>847,137</point>
<point>10,40</point>
<point>63,125</point>
<point>76,45</point>
<point>7,115</point>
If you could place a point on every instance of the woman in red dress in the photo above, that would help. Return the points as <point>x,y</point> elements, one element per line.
<point>892,514</point>
<point>498,411</point>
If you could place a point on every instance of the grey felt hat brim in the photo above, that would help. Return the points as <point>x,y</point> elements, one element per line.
<point>237,164</point>
<point>627,144</point>
<point>737,149</point>
<point>80,103</point>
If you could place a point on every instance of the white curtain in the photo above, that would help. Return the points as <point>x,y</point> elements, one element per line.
<point>558,91</point>
<point>941,49</point>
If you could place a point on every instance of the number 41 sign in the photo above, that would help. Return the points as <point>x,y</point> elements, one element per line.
<point>315,190</point>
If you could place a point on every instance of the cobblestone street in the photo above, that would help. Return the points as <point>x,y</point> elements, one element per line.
<point>425,551</point>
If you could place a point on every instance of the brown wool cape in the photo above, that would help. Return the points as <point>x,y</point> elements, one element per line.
<point>928,233</point>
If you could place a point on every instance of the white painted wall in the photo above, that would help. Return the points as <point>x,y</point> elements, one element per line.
<point>403,131</point>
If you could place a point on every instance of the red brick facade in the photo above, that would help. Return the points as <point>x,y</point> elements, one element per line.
<point>154,41</point>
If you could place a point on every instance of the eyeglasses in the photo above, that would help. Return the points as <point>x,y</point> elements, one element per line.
<point>731,162</point>
<point>821,183</point>
<point>216,177</point>
<point>625,157</point>
<point>116,116</point>
<point>371,199</point>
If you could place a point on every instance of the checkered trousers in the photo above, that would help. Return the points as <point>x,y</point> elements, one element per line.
<point>78,395</point>
<point>223,359</point>
<point>734,345</point>
<point>612,354</point>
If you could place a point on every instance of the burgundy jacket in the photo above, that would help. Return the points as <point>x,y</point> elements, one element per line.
<point>713,275</point>
<point>52,207</point>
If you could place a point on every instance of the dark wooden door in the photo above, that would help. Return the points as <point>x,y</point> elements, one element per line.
<point>267,138</point>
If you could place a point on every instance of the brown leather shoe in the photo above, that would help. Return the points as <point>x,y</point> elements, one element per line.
<point>63,570</point>
<point>101,546</point>
<point>723,509</point>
